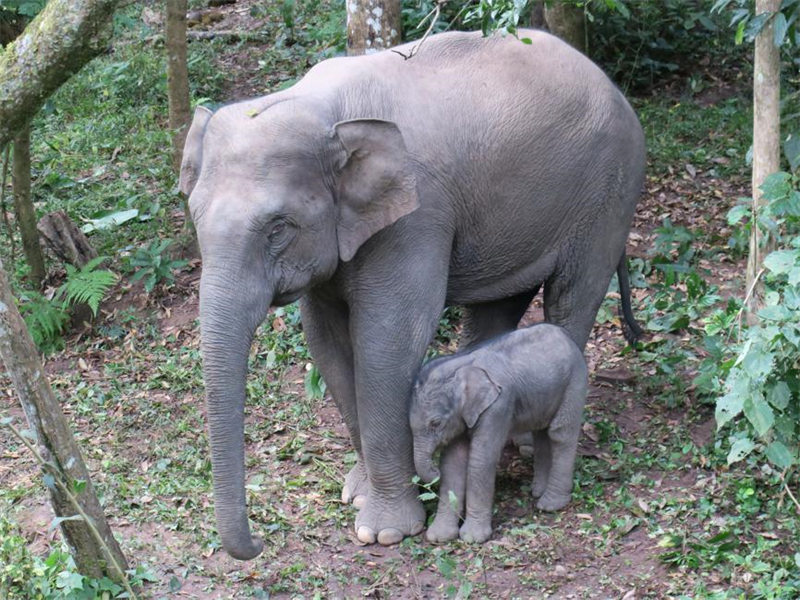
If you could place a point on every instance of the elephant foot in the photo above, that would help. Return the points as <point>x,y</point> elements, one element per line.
<point>389,521</point>
<point>524,443</point>
<point>552,501</point>
<point>474,531</point>
<point>356,485</point>
<point>539,486</point>
<point>443,529</point>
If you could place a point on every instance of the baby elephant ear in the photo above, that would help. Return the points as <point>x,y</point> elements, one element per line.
<point>193,150</point>
<point>478,392</point>
<point>376,184</point>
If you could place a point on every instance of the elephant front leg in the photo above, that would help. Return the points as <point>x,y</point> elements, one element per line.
<point>326,326</point>
<point>389,345</point>
<point>451,492</point>
<point>392,510</point>
<point>484,454</point>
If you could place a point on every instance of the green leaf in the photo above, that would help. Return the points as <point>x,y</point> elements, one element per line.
<point>110,220</point>
<point>756,362</point>
<point>426,496</point>
<point>446,565</point>
<point>740,449</point>
<point>739,36</point>
<point>776,185</point>
<point>779,395</point>
<point>174,584</point>
<point>452,500</point>
<point>314,385</point>
<point>759,413</point>
<point>728,407</point>
<point>779,455</point>
<point>737,213</point>
<point>791,149</point>
<point>781,262</point>
<point>780,26</point>
<point>58,520</point>
<point>622,9</point>
<point>756,24</point>
<point>69,581</point>
<point>776,312</point>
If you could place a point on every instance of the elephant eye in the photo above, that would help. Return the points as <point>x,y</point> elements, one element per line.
<point>277,230</point>
<point>434,423</point>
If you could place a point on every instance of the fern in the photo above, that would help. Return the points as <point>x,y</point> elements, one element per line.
<point>86,285</point>
<point>45,319</point>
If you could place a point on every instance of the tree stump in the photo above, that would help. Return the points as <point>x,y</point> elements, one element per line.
<point>64,239</point>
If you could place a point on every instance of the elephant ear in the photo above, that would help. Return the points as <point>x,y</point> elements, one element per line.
<point>477,391</point>
<point>193,150</point>
<point>376,185</point>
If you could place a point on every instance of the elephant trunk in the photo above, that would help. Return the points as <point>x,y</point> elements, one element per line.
<point>423,460</point>
<point>227,327</point>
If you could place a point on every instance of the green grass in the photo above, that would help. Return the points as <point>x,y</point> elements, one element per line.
<point>712,138</point>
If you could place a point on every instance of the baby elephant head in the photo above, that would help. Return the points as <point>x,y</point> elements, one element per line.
<point>445,403</point>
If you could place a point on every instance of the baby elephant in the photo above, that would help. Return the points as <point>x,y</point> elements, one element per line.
<point>532,379</point>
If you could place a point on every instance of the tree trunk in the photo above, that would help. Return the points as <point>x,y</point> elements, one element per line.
<point>177,77</point>
<point>372,25</point>
<point>566,20</point>
<point>180,110</point>
<point>56,444</point>
<point>63,37</point>
<point>65,240</point>
<point>766,143</point>
<point>537,15</point>
<point>23,205</point>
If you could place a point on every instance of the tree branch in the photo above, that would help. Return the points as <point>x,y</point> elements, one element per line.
<point>58,42</point>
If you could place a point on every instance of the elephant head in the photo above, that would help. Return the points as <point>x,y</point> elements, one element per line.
<point>279,194</point>
<point>444,404</point>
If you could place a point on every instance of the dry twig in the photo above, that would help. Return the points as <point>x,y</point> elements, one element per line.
<point>789,491</point>
<point>433,15</point>
<point>750,292</point>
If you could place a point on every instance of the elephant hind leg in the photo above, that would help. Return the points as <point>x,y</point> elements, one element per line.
<point>573,295</point>
<point>489,319</point>
<point>541,462</point>
<point>562,435</point>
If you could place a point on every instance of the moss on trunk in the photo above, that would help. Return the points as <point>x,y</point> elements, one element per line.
<point>59,41</point>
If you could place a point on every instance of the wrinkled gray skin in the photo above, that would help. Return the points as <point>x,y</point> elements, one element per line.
<point>379,190</point>
<point>530,380</point>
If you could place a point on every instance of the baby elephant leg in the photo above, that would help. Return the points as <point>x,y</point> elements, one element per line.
<point>484,454</point>
<point>563,447</point>
<point>541,462</point>
<point>451,492</point>
<point>563,433</point>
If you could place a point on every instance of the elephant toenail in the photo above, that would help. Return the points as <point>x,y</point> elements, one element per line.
<point>390,536</point>
<point>365,535</point>
<point>359,501</point>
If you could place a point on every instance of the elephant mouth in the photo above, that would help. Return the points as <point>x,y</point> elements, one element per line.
<point>286,298</point>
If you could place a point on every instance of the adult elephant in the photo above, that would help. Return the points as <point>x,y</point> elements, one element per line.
<point>379,189</point>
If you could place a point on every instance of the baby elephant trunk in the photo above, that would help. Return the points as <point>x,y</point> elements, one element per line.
<point>423,460</point>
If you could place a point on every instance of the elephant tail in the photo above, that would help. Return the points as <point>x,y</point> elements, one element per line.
<point>630,328</point>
